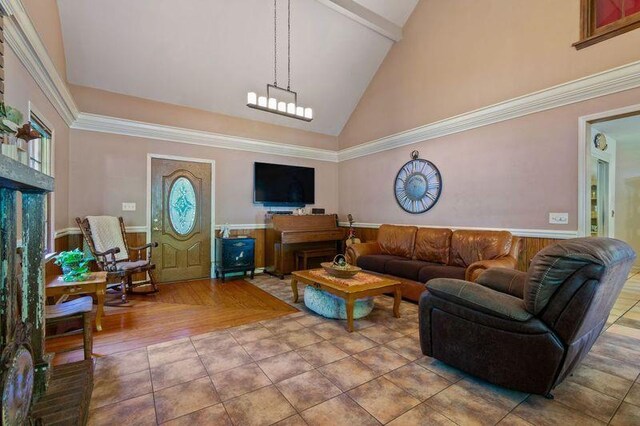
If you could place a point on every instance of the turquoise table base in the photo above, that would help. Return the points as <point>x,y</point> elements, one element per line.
<point>330,306</point>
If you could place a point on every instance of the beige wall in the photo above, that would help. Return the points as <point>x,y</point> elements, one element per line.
<point>46,19</point>
<point>116,105</point>
<point>507,175</point>
<point>107,170</point>
<point>460,55</point>
<point>21,90</point>
<point>627,208</point>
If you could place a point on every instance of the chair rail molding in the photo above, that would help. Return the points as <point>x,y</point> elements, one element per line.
<point>121,126</point>
<point>530,233</point>
<point>143,228</point>
<point>601,84</point>
<point>23,39</point>
<point>76,231</point>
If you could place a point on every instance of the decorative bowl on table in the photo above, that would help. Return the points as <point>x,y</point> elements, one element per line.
<point>339,268</point>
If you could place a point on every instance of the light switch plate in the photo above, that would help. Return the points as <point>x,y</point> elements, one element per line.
<point>128,207</point>
<point>558,218</point>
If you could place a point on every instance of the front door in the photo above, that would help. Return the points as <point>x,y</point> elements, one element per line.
<point>181,219</point>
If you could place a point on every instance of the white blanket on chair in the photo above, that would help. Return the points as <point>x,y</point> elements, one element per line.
<point>106,234</point>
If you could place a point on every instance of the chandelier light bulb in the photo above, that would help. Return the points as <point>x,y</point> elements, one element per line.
<point>291,108</point>
<point>262,101</point>
<point>282,106</point>
<point>300,111</point>
<point>252,98</point>
<point>308,113</point>
<point>273,103</point>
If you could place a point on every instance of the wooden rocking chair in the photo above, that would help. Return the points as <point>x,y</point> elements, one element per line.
<point>108,245</point>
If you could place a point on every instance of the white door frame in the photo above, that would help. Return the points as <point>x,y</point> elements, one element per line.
<point>213,197</point>
<point>584,156</point>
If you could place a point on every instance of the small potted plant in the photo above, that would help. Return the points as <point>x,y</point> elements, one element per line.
<point>74,265</point>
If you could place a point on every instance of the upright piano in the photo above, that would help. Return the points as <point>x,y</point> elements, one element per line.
<point>288,233</point>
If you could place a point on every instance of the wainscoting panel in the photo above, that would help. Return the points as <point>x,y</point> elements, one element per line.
<point>531,245</point>
<point>138,239</point>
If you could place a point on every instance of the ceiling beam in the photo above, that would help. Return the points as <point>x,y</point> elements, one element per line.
<point>366,17</point>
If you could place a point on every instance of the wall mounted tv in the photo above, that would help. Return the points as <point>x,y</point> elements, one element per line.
<point>280,185</point>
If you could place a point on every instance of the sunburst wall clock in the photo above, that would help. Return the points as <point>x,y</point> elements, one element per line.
<point>418,185</point>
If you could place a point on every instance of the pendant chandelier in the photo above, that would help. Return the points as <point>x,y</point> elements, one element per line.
<point>269,103</point>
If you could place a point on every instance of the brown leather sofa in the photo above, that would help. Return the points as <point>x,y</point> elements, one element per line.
<point>416,255</point>
<point>527,331</point>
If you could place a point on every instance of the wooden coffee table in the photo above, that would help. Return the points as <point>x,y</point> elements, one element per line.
<point>350,293</point>
<point>96,284</point>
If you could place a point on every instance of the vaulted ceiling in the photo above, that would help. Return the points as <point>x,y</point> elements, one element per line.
<point>207,54</point>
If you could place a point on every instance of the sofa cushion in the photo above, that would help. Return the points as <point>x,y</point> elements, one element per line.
<point>440,271</point>
<point>376,262</point>
<point>397,240</point>
<point>408,269</point>
<point>433,245</point>
<point>469,246</point>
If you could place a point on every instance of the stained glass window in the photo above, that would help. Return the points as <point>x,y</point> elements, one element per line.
<point>182,206</point>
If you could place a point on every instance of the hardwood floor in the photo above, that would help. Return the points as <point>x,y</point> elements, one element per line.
<point>178,310</point>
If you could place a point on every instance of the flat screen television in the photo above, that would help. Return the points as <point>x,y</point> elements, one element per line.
<point>280,185</point>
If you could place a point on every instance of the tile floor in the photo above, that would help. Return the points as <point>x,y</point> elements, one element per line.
<point>303,369</point>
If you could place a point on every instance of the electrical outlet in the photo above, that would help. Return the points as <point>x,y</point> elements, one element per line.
<point>559,218</point>
<point>128,207</point>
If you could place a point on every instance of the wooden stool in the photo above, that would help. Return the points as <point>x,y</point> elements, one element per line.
<point>75,309</point>
<point>312,253</point>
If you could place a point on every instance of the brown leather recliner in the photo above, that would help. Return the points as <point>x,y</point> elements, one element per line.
<point>527,331</point>
<point>415,255</point>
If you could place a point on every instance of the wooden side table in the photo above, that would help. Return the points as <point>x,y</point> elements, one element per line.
<point>95,284</point>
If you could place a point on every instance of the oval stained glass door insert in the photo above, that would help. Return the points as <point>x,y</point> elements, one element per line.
<point>182,206</point>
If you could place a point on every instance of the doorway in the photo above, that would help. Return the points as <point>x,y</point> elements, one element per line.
<point>180,214</point>
<point>612,176</point>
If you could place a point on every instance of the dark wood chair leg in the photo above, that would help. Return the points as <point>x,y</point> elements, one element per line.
<point>123,286</point>
<point>152,280</point>
<point>87,334</point>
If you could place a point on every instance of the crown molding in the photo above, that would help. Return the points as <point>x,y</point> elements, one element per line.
<point>121,126</point>
<point>529,233</point>
<point>604,83</point>
<point>23,39</point>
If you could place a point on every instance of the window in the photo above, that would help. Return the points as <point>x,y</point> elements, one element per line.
<point>603,19</point>
<point>40,158</point>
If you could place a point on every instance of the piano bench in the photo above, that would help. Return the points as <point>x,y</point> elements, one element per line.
<point>311,254</point>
